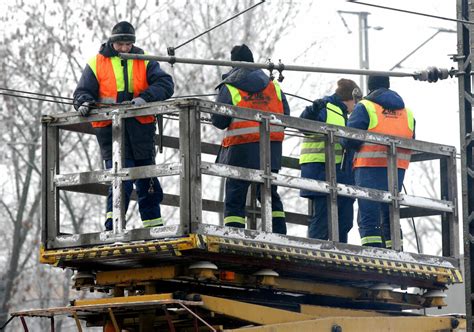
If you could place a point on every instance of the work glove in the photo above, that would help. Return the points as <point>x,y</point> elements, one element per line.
<point>139,101</point>
<point>318,105</point>
<point>84,109</point>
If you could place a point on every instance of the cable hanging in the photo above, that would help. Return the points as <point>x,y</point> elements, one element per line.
<point>410,12</point>
<point>171,50</point>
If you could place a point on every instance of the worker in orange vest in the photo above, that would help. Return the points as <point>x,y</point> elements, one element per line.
<point>381,111</point>
<point>109,79</point>
<point>249,88</point>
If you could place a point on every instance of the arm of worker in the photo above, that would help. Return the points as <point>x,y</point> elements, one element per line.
<point>315,112</point>
<point>286,106</point>
<point>222,121</point>
<point>160,84</point>
<point>87,89</point>
<point>359,119</point>
<point>414,128</point>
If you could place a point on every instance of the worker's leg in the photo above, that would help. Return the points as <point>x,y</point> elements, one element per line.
<point>318,223</point>
<point>234,204</point>
<point>386,213</point>
<point>369,211</point>
<point>127,191</point>
<point>150,195</point>
<point>278,213</point>
<point>346,216</point>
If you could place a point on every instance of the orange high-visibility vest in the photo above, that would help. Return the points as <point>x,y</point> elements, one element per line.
<point>109,74</point>
<point>242,131</point>
<point>389,122</point>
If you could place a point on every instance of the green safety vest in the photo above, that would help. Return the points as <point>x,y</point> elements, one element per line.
<point>313,146</point>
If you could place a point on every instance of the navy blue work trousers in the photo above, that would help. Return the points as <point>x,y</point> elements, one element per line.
<point>148,190</point>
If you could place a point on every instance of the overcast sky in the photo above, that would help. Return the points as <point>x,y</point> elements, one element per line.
<point>435,105</point>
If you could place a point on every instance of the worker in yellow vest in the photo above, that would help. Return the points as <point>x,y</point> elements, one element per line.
<point>334,110</point>
<point>381,111</point>
<point>249,88</point>
<point>109,79</point>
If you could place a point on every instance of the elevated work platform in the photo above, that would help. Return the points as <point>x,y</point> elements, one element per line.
<point>280,275</point>
<point>306,266</point>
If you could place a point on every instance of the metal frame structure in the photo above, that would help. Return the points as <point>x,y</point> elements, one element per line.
<point>208,312</point>
<point>190,169</point>
<point>464,58</point>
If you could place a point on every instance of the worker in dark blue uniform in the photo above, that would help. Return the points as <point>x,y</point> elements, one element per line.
<point>249,88</point>
<point>109,79</point>
<point>334,110</point>
<point>382,111</point>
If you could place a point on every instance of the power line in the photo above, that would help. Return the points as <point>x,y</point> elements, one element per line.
<point>171,50</point>
<point>35,93</point>
<point>411,12</point>
<point>296,96</point>
<point>36,98</point>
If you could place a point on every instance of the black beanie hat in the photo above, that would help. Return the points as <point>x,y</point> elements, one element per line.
<point>377,82</point>
<point>241,53</point>
<point>123,32</point>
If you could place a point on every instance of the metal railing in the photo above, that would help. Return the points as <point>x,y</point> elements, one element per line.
<point>190,169</point>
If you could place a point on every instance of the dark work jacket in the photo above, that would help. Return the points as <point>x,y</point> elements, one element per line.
<point>317,170</point>
<point>138,138</point>
<point>248,154</point>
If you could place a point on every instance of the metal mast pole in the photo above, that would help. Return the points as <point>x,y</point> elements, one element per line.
<point>363,48</point>
<point>465,9</point>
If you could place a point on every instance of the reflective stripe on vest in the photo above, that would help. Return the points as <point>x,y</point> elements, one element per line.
<point>313,146</point>
<point>389,122</point>
<point>242,131</point>
<point>110,77</point>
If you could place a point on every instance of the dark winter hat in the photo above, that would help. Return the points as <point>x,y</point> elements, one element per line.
<point>241,53</point>
<point>123,32</point>
<point>377,82</point>
<point>345,88</point>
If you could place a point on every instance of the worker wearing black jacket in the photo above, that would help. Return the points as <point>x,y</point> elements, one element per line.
<point>109,79</point>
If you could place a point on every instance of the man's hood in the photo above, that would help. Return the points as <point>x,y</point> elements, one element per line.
<point>386,98</point>
<point>250,80</point>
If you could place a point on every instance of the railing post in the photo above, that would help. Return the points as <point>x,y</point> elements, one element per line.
<point>50,193</point>
<point>190,154</point>
<point>195,167</point>
<point>331,178</point>
<point>392,173</point>
<point>118,206</point>
<point>184,194</point>
<point>265,166</point>
<point>449,221</point>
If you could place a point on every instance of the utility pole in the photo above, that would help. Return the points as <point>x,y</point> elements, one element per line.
<point>363,42</point>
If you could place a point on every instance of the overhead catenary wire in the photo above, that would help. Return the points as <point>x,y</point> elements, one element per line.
<point>46,97</point>
<point>171,50</point>
<point>36,98</point>
<point>35,93</point>
<point>410,12</point>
